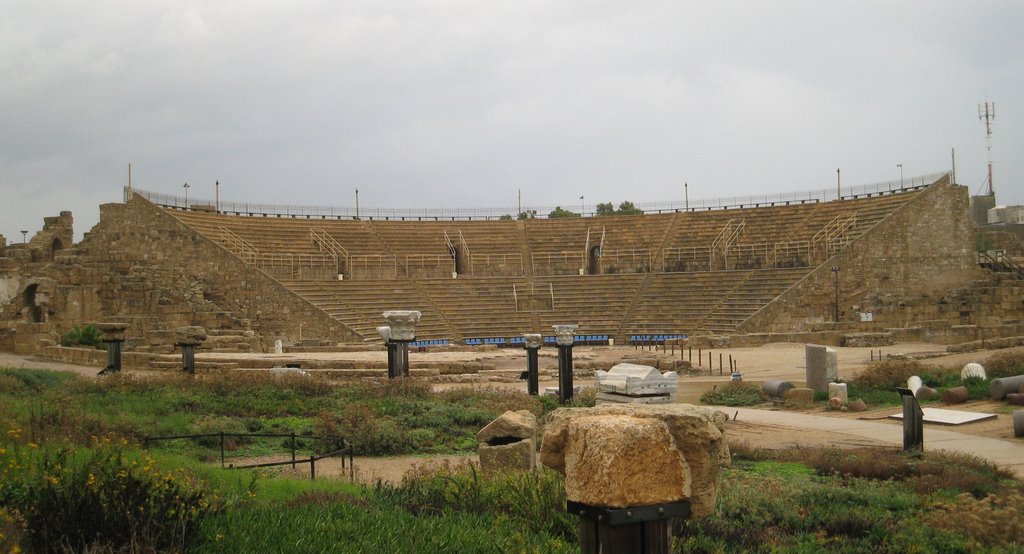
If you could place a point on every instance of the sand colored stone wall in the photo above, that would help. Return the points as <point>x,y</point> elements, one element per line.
<point>920,252</point>
<point>163,252</point>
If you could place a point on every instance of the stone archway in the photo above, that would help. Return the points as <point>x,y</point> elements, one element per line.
<point>594,260</point>
<point>36,313</point>
<point>56,245</point>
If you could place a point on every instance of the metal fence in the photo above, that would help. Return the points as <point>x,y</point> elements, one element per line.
<point>255,209</point>
<point>341,448</point>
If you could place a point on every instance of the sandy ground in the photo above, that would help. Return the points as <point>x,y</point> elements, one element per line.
<point>773,361</point>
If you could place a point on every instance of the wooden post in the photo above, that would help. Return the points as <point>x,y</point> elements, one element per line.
<point>293,449</point>
<point>222,449</point>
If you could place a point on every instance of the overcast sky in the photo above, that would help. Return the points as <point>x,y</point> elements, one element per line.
<point>461,103</point>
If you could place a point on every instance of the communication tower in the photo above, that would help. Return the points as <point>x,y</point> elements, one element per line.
<point>987,113</point>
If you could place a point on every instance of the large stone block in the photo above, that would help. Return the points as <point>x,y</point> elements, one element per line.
<point>799,398</point>
<point>518,455</point>
<point>822,366</point>
<point>623,455</point>
<point>520,424</point>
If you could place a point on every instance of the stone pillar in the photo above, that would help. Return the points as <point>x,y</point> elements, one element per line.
<point>385,333</point>
<point>564,337</point>
<point>188,338</point>
<point>822,367</point>
<point>113,336</point>
<point>533,344</point>
<point>913,421</point>
<point>629,469</point>
<point>402,331</point>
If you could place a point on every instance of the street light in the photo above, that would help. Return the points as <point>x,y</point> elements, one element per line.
<point>357,203</point>
<point>835,313</point>
<point>901,174</point>
<point>216,185</point>
<point>24,237</point>
<point>583,205</point>
<point>186,186</point>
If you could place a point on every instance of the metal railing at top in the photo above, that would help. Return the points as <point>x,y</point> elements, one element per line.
<point>341,448</point>
<point>256,209</point>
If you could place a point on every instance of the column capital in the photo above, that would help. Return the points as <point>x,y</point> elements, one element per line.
<point>564,334</point>
<point>403,324</point>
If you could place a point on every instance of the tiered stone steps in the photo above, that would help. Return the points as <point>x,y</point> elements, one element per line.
<point>481,303</point>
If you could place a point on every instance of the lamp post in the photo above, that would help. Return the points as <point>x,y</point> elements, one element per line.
<point>901,174</point>
<point>24,237</point>
<point>839,186</point>
<point>583,205</point>
<point>357,203</point>
<point>216,185</point>
<point>686,195</point>
<point>186,187</point>
<point>835,308</point>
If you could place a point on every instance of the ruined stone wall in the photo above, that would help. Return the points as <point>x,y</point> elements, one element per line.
<point>167,259</point>
<point>915,256</point>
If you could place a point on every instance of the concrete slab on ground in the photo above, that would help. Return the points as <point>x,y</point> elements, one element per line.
<point>949,417</point>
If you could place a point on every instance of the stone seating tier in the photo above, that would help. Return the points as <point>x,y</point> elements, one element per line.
<point>405,265</point>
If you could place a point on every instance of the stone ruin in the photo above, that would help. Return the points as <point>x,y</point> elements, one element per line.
<point>822,366</point>
<point>509,442</point>
<point>636,384</point>
<point>628,455</point>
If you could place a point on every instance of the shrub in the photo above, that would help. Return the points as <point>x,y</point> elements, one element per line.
<point>888,374</point>
<point>734,393</point>
<point>988,522</point>
<point>533,499</point>
<point>100,500</point>
<point>1005,364</point>
<point>923,474</point>
<point>87,335</point>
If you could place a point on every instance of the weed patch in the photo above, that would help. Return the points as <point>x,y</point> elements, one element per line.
<point>734,394</point>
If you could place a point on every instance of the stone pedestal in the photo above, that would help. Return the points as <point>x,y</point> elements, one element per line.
<point>838,390</point>
<point>113,336</point>
<point>565,335</point>
<point>188,338</point>
<point>625,455</point>
<point>822,367</point>
<point>401,330</point>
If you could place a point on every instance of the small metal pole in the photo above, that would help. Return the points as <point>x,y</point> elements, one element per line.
<point>293,449</point>
<point>222,449</point>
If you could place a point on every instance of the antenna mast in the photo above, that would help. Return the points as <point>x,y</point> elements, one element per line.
<point>987,113</point>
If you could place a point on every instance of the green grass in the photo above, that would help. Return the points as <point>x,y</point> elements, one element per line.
<point>378,418</point>
<point>865,500</point>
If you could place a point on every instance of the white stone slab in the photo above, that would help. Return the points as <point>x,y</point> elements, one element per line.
<point>949,417</point>
<point>625,399</point>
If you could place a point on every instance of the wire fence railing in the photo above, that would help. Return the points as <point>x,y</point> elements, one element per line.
<point>255,209</point>
<point>340,448</point>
